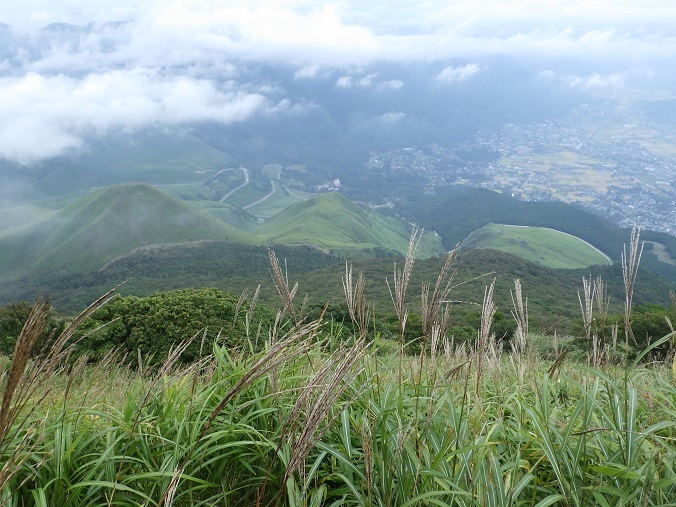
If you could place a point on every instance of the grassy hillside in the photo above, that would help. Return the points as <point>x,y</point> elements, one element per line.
<point>553,249</point>
<point>104,225</point>
<point>456,214</point>
<point>552,294</point>
<point>227,213</point>
<point>333,222</point>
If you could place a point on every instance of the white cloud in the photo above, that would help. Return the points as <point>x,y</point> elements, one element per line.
<point>308,72</point>
<point>352,32</point>
<point>392,117</point>
<point>367,80</point>
<point>43,116</point>
<point>453,74</point>
<point>344,82</point>
<point>594,81</point>
<point>392,84</point>
<point>175,61</point>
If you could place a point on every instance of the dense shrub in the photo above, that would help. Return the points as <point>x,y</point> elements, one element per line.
<point>159,322</point>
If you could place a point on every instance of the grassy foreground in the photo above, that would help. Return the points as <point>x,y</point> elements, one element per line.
<point>295,425</point>
<point>318,417</point>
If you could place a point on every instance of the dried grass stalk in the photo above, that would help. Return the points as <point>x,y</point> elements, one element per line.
<point>401,279</point>
<point>31,331</point>
<point>431,306</point>
<point>630,263</point>
<point>281,281</point>
<point>487,313</point>
<point>327,386</point>
<point>520,314</point>
<point>357,306</point>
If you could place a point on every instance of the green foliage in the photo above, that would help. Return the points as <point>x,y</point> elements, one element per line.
<point>156,324</point>
<point>228,266</point>
<point>649,322</point>
<point>503,325</point>
<point>584,438</point>
<point>13,316</point>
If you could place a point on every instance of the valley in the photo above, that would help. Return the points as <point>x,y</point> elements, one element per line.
<point>617,162</point>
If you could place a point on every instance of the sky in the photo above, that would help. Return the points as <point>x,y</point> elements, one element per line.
<point>141,63</point>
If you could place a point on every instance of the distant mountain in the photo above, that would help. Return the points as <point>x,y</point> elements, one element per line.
<point>457,214</point>
<point>334,223</point>
<point>128,220</point>
<point>104,225</point>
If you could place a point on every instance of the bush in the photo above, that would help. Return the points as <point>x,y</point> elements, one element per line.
<point>159,322</point>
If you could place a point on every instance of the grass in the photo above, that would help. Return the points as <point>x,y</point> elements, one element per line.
<point>330,221</point>
<point>320,418</point>
<point>314,428</point>
<point>108,223</point>
<point>544,246</point>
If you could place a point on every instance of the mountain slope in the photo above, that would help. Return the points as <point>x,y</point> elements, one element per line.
<point>333,222</point>
<point>104,225</point>
<point>455,215</point>
<point>548,247</point>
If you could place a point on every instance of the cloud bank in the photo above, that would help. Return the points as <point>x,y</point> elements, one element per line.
<point>121,64</point>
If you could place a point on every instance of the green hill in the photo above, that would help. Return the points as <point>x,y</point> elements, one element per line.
<point>548,247</point>
<point>455,215</point>
<point>104,225</point>
<point>336,224</point>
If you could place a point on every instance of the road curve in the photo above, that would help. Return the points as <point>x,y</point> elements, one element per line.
<point>264,198</point>
<point>246,182</point>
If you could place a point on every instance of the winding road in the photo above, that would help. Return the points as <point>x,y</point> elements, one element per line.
<point>245,172</point>
<point>264,198</point>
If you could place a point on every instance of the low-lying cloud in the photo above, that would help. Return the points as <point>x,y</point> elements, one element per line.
<point>133,63</point>
<point>42,116</point>
<point>453,74</point>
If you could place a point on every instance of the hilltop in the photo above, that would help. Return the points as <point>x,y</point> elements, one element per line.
<point>129,219</point>
<point>548,247</point>
<point>108,223</point>
<point>456,214</point>
<point>334,223</point>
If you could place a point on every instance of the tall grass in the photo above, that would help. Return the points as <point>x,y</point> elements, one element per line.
<point>295,424</point>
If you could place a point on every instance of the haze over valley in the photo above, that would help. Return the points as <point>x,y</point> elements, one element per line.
<point>247,119</point>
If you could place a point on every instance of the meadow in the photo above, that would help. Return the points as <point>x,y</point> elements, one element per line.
<point>305,413</point>
<point>541,245</point>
